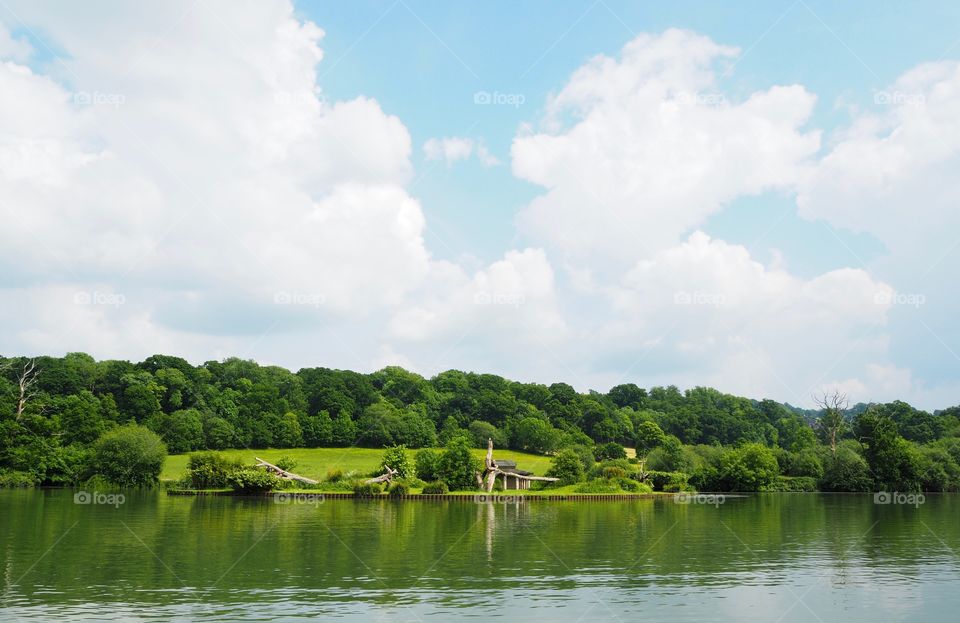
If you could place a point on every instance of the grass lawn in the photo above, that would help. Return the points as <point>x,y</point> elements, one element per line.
<point>316,462</point>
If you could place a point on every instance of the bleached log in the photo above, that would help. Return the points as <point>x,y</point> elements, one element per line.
<point>385,477</point>
<point>270,467</point>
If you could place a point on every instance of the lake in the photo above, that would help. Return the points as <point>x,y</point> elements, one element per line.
<point>768,557</point>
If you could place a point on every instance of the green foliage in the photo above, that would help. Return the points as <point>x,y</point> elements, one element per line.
<point>568,467</point>
<point>286,462</point>
<point>616,468</point>
<point>648,436</point>
<point>335,475</point>
<point>399,488</point>
<point>532,434</point>
<point>751,467</point>
<point>130,456</point>
<point>894,464</point>
<point>427,464</point>
<point>610,451</point>
<point>396,458</point>
<point>210,470</point>
<point>481,431</point>
<point>436,488</point>
<point>847,471</point>
<point>599,485</point>
<point>10,479</point>
<point>793,484</point>
<point>457,466</point>
<point>366,489</point>
<point>668,481</point>
<point>253,480</point>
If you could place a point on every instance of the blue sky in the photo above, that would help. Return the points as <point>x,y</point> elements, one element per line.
<point>757,196</point>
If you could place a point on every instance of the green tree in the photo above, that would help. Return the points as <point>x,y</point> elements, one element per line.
<point>130,456</point>
<point>458,467</point>
<point>567,466</point>
<point>427,464</point>
<point>751,467</point>
<point>396,458</point>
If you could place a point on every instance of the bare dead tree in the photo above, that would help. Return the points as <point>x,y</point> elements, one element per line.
<point>832,422</point>
<point>25,380</point>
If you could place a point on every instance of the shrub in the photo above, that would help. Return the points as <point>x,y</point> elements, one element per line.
<point>366,489</point>
<point>458,467</point>
<point>286,462</point>
<point>396,458</point>
<point>566,466</point>
<point>610,452</point>
<point>16,480</point>
<point>620,464</point>
<point>632,486</point>
<point>334,475</point>
<point>660,481</point>
<point>427,463</point>
<point>598,485</point>
<point>130,456</point>
<point>210,470</point>
<point>848,471</point>
<point>794,483</point>
<point>751,467</point>
<point>436,488</point>
<point>399,488</point>
<point>252,480</point>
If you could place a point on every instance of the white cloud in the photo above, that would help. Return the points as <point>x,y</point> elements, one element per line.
<point>636,151</point>
<point>455,148</point>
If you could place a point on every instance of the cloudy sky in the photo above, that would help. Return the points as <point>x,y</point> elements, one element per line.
<point>764,200</point>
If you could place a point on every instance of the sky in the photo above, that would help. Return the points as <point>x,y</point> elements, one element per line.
<point>757,196</point>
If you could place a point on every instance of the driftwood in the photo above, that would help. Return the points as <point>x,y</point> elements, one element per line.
<point>491,470</point>
<point>385,477</point>
<point>282,473</point>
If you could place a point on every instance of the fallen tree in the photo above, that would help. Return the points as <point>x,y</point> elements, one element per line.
<point>282,473</point>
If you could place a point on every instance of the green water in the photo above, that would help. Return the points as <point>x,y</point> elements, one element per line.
<point>782,557</point>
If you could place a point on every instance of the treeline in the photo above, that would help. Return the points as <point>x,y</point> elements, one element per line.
<point>54,409</point>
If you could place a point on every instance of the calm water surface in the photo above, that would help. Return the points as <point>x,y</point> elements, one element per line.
<point>777,557</point>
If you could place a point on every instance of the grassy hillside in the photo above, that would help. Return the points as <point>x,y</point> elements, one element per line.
<point>316,462</point>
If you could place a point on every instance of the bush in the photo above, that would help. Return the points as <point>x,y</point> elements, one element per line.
<point>458,467</point>
<point>794,483</point>
<point>399,488</point>
<point>751,467</point>
<point>396,458</point>
<point>624,467</point>
<point>253,480</point>
<point>632,486</point>
<point>210,470</point>
<point>660,481</point>
<point>598,485</point>
<point>366,489</point>
<point>334,475</point>
<point>16,480</point>
<point>130,456</point>
<point>610,452</point>
<point>286,463</point>
<point>566,466</point>
<point>848,471</point>
<point>436,488</point>
<point>427,464</point>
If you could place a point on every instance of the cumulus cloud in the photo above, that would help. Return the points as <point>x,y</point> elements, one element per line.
<point>456,148</point>
<point>635,151</point>
<point>205,166</point>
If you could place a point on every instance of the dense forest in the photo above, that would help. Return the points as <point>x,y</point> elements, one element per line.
<point>54,410</point>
